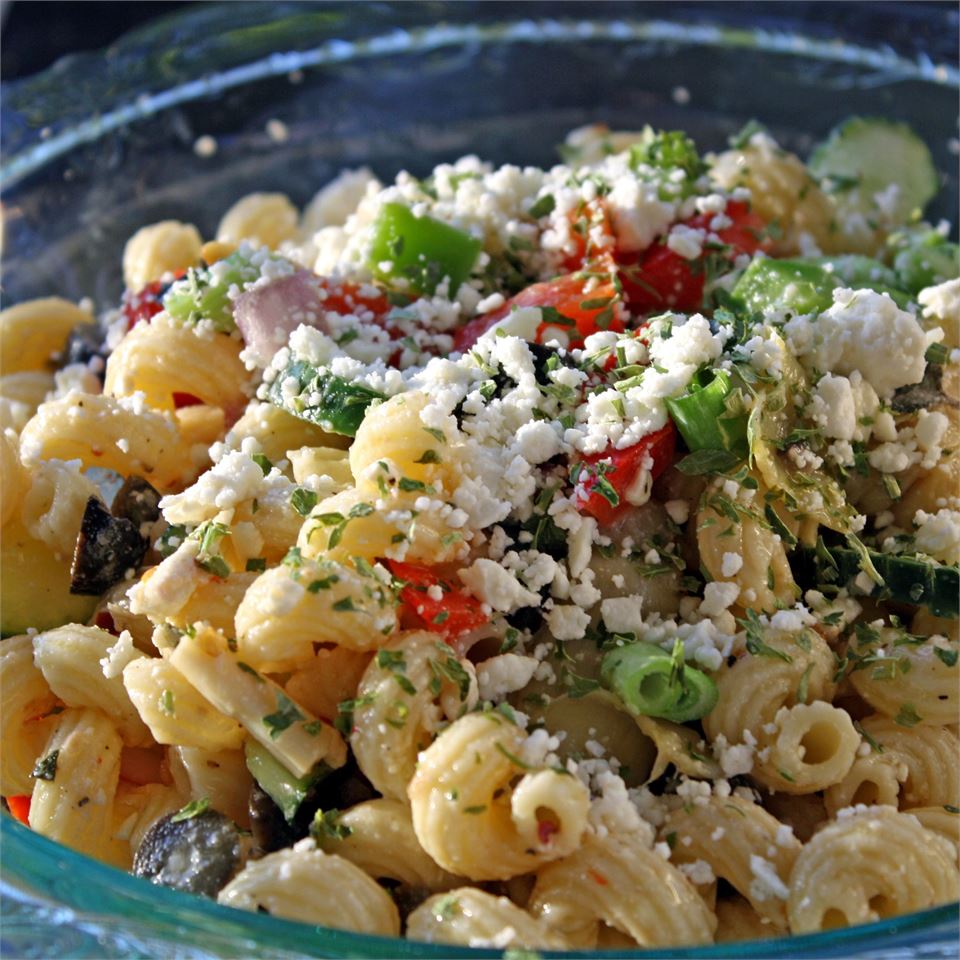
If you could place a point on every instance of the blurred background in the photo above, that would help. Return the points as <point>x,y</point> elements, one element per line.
<point>35,34</point>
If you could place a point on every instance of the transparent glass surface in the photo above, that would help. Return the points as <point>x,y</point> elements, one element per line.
<point>101,144</point>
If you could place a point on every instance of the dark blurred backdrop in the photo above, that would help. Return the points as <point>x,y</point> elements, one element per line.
<point>35,33</point>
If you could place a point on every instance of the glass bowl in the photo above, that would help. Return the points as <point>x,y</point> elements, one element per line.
<point>99,145</point>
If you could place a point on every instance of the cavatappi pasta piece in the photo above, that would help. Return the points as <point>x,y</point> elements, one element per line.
<point>397,709</point>
<point>380,840</point>
<point>267,219</point>
<point>13,478</point>
<point>302,602</point>
<point>161,359</point>
<point>33,331</point>
<point>326,679</point>
<point>872,780</point>
<point>221,776</point>
<point>869,865</point>
<point>782,191</point>
<point>181,592</point>
<point>944,821</point>
<point>677,745</point>
<point>121,435</point>
<point>346,525</point>
<point>785,672</point>
<point>813,746</point>
<point>175,711</point>
<point>294,736</point>
<point>473,918</point>
<point>53,505</point>
<point>28,713</point>
<point>72,801</point>
<point>622,882</point>
<point>911,675</point>
<point>804,813</point>
<point>304,883</point>
<point>393,444</point>
<point>931,755</point>
<point>737,920</point>
<point>83,666</point>
<point>762,571</point>
<point>165,247</point>
<point>311,462</point>
<point>200,424</point>
<point>20,395</point>
<point>472,818</point>
<point>742,843</point>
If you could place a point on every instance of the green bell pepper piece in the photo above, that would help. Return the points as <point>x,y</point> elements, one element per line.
<point>796,285</point>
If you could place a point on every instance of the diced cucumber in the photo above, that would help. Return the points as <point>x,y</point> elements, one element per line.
<point>906,580</point>
<point>794,285</point>
<point>286,790</point>
<point>196,297</point>
<point>924,259</point>
<point>420,250</point>
<point>854,270</point>
<point>335,404</point>
<point>866,156</point>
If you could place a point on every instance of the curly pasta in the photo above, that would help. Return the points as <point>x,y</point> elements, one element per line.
<point>121,435</point>
<point>52,508</point>
<point>165,247</point>
<point>469,818</point>
<point>291,607</point>
<point>76,663</point>
<point>304,883</point>
<point>472,918</point>
<point>28,711</point>
<point>32,332</point>
<point>73,801</point>
<point>872,780</point>
<point>731,834</point>
<point>20,395</point>
<point>267,219</point>
<point>329,677</point>
<point>175,711</point>
<point>620,881</point>
<point>912,673</point>
<point>161,359</point>
<point>397,708</point>
<point>930,754</point>
<point>804,744</point>
<point>381,841</point>
<point>875,864</point>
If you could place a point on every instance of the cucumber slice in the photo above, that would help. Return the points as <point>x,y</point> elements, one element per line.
<point>864,156</point>
<point>905,580</point>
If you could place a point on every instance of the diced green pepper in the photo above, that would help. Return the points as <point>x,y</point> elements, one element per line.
<point>197,297</point>
<point>315,394</point>
<point>701,415</point>
<point>856,270</point>
<point>793,285</point>
<point>420,250</point>
<point>286,790</point>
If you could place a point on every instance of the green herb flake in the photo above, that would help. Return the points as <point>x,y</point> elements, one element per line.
<point>165,703</point>
<point>287,713</point>
<point>191,810</point>
<point>326,826</point>
<point>303,501</point>
<point>907,716</point>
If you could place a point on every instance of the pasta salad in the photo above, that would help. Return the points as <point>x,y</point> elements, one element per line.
<point>510,557</point>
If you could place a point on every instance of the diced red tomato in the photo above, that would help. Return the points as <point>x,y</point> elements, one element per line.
<point>659,279</point>
<point>566,294</point>
<point>620,468</point>
<point>591,233</point>
<point>345,298</point>
<point>455,613</point>
<point>20,808</point>
<point>140,305</point>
